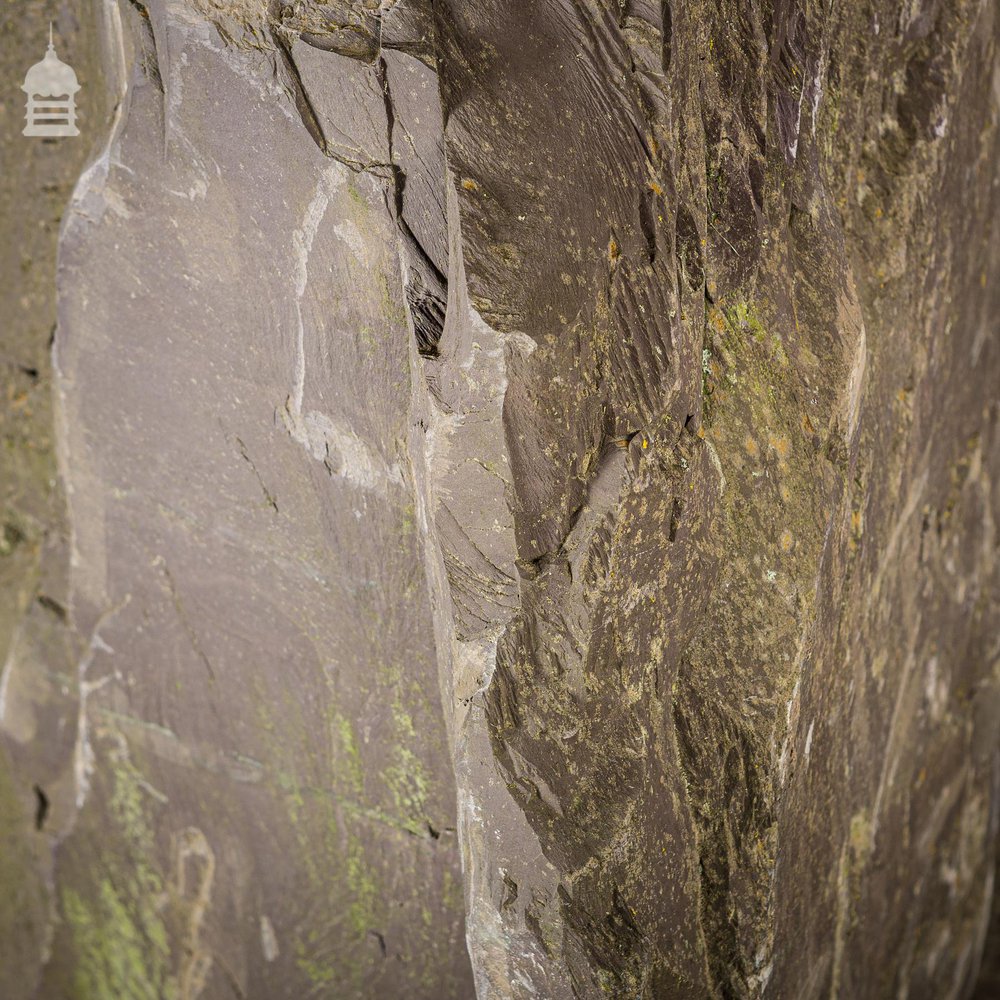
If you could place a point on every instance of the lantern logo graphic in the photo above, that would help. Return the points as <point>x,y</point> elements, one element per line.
<point>51,87</point>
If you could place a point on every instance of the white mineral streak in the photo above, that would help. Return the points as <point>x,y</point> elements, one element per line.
<point>327,440</point>
<point>83,757</point>
<point>268,939</point>
<point>856,384</point>
<point>5,675</point>
<point>817,89</point>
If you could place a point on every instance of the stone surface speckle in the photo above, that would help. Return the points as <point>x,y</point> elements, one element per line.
<point>525,522</point>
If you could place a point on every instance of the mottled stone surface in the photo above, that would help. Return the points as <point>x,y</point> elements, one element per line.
<point>531,526</point>
<point>36,179</point>
<point>246,760</point>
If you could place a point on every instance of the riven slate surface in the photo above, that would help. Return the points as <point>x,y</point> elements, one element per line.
<point>529,479</point>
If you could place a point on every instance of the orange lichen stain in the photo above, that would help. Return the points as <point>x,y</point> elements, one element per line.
<point>613,252</point>
<point>655,188</point>
<point>807,424</point>
<point>751,446</point>
<point>780,444</point>
<point>701,433</point>
<point>786,541</point>
<point>469,184</point>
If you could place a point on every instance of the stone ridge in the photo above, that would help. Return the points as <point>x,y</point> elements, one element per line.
<point>529,475</point>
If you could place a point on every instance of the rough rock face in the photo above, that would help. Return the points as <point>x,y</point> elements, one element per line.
<point>36,180</point>
<point>529,484</point>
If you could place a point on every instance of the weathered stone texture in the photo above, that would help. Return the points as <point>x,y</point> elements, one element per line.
<point>530,484</point>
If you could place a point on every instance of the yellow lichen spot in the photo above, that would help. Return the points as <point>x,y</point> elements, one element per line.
<point>701,433</point>
<point>879,664</point>
<point>566,279</point>
<point>786,540</point>
<point>655,188</point>
<point>807,425</point>
<point>645,443</point>
<point>469,184</point>
<point>780,444</point>
<point>856,521</point>
<point>613,251</point>
<point>861,834</point>
<point>751,446</point>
